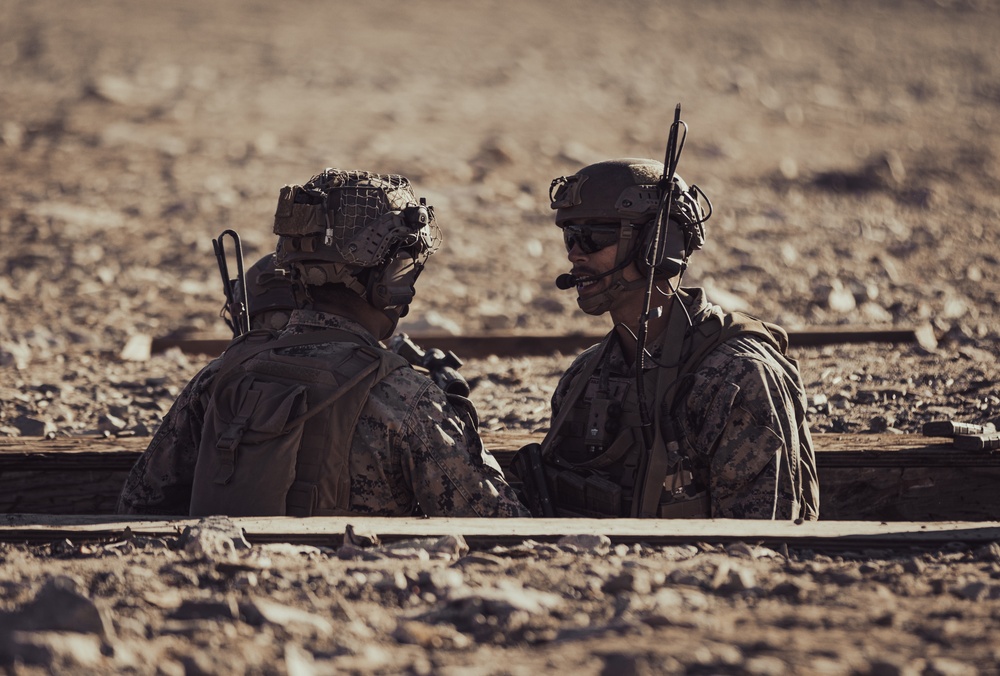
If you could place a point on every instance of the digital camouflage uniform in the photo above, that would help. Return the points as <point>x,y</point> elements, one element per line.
<point>415,450</point>
<point>160,481</point>
<point>740,422</point>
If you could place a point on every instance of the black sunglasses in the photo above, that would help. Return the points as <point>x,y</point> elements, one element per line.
<point>591,238</point>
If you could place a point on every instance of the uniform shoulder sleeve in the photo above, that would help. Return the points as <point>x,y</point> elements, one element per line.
<point>450,471</point>
<point>742,420</point>
<point>160,481</point>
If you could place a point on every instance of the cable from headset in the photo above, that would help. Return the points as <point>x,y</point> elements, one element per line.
<point>673,292</point>
<point>687,316</point>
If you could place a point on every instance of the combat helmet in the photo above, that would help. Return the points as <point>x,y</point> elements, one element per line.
<point>628,192</point>
<point>364,230</point>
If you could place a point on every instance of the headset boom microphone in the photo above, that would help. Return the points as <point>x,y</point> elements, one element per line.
<point>568,281</point>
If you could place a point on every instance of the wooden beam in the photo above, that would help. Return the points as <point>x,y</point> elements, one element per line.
<point>889,477</point>
<point>836,450</point>
<point>484,533</point>
<point>526,345</point>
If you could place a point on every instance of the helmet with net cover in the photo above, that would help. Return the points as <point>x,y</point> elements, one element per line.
<point>364,230</point>
<point>627,192</point>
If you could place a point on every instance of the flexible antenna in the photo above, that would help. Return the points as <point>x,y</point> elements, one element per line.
<point>239,312</point>
<point>675,144</point>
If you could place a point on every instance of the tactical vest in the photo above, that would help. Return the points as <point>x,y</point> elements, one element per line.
<point>596,459</point>
<point>278,429</point>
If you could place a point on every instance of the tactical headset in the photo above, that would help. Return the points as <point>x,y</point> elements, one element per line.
<point>628,192</point>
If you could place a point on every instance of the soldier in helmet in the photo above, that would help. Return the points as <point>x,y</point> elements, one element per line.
<point>709,420</point>
<point>320,419</point>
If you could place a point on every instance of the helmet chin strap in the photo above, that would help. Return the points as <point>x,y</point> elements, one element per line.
<point>601,302</point>
<point>392,314</point>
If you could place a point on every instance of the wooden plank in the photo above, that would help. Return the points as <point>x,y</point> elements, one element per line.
<point>836,450</point>
<point>70,453</point>
<point>840,335</point>
<point>526,345</point>
<point>483,533</point>
<point>74,491</point>
<point>910,493</point>
<point>499,439</point>
<point>864,476</point>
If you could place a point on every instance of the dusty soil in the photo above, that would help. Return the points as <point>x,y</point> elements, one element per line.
<point>198,605</point>
<point>850,150</point>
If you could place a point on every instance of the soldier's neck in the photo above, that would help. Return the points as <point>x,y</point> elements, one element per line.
<point>628,318</point>
<point>348,304</point>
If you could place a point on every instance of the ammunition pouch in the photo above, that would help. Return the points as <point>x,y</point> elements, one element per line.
<point>302,217</point>
<point>585,494</point>
<point>577,492</point>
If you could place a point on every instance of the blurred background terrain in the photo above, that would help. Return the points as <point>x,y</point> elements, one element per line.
<point>850,150</point>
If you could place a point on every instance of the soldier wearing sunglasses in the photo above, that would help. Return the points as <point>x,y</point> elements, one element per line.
<point>724,433</point>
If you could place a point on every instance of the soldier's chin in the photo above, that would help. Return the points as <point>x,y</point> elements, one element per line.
<point>595,304</point>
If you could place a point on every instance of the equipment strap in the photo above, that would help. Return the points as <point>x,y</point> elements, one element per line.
<point>314,449</point>
<point>663,453</point>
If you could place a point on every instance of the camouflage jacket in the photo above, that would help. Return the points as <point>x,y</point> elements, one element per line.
<point>415,450</point>
<point>740,422</point>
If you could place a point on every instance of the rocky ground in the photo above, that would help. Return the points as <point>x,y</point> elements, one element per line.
<point>207,603</point>
<point>851,153</point>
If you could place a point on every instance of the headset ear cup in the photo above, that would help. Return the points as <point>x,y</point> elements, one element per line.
<point>374,288</point>
<point>642,249</point>
<point>669,259</point>
<point>392,284</point>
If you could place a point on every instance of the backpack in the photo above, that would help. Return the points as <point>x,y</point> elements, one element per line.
<point>278,429</point>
